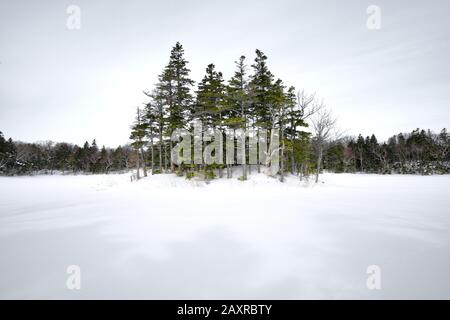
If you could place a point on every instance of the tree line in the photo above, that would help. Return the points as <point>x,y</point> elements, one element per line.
<point>18,158</point>
<point>417,152</point>
<point>252,100</point>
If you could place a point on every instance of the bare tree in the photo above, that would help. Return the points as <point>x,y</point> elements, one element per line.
<point>323,124</point>
<point>300,113</point>
<point>296,116</point>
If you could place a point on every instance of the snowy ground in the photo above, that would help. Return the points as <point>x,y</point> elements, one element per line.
<point>166,237</point>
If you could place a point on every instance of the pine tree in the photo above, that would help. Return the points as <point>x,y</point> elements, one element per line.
<point>93,156</point>
<point>210,98</point>
<point>138,134</point>
<point>157,114</point>
<point>84,157</point>
<point>175,88</point>
<point>104,160</point>
<point>298,111</point>
<point>63,152</point>
<point>7,154</point>
<point>237,108</point>
<point>210,105</point>
<point>279,106</point>
<point>118,159</point>
<point>260,85</point>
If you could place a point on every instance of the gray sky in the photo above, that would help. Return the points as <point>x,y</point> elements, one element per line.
<point>75,85</point>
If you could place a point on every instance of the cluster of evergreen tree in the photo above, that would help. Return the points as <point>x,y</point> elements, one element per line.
<point>418,152</point>
<point>251,100</point>
<point>254,99</point>
<point>27,158</point>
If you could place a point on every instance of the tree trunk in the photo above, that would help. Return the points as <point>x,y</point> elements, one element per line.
<point>319,161</point>
<point>160,150</point>
<point>165,158</point>
<point>153,155</point>
<point>244,140</point>
<point>282,156</point>
<point>258,163</point>
<point>244,157</point>
<point>300,172</point>
<point>172,167</point>
<point>137,164</point>
<point>143,162</point>
<point>361,161</point>
<point>293,148</point>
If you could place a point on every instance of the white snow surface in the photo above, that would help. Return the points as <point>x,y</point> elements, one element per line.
<point>165,237</point>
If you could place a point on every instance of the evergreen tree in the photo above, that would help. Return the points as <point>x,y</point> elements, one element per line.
<point>260,84</point>
<point>298,110</point>
<point>157,117</point>
<point>210,98</point>
<point>175,88</point>
<point>105,161</point>
<point>138,134</point>
<point>93,156</point>
<point>63,152</point>
<point>210,106</point>
<point>237,108</point>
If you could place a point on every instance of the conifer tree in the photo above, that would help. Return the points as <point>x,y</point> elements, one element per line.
<point>138,134</point>
<point>210,98</point>
<point>278,107</point>
<point>175,88</point>
<point>260,84</point>
<point>210,105</point>
<point>237,107</point>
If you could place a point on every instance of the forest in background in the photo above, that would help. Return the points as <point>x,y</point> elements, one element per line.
<point>418,152</point>
<point>252,100</point>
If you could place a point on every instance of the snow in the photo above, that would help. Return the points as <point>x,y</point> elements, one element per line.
<point>165,237</point>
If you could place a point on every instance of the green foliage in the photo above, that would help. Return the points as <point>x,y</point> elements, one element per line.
<point>190,175</point>
<point>254,99</point>
<point>209,175</point>
<point>210,98</point>
<point>260,85</point>
<point>179,173</point>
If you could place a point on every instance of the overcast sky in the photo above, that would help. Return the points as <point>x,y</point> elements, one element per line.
<point>75,85</point>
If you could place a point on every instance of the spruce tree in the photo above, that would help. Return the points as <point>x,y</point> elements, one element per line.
<point>210,104</point>
<point>138,134</point>
<point>261,83</point>
<point>210,98</point>
<point>260,86</point>
<point>175,88</point>
<point>237,107</point>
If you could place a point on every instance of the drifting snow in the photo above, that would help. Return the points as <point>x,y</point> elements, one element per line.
<point>167,237</point>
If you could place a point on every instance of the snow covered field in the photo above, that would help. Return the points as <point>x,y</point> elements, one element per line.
<point>166,237</point>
